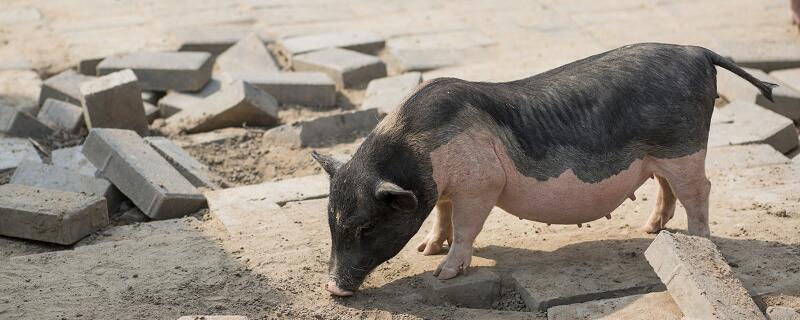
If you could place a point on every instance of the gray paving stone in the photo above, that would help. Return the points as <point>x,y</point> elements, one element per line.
<point>386,94</point>
<point>175,101</point>
<point>88,66</point>
<point>72,159</point>
<point>162,71</point>
<point>61,115</point>
<point>782,313</point>
<point>151,112</point>
<point>361,41</point>
<point>237,104</point>
<point>247,56</point>
<point>651,306</point>
<point>20,89</point>
<point>348,68</point>
<point>190,168</point>
<point>746,123</point>
<point>52,177</point>
<point>698,278</point>
<point>323,130</point>
<point>733,87</point>
<point>477,289</point>
<point>114,101</point>
<point>17,123</point>
<point>64,87</point>
<point>15,150</point>
<point>311,89</point>
<point>213,39</point>
<point>49,215</point>
<point>142,175</point>
<point>406,60</point>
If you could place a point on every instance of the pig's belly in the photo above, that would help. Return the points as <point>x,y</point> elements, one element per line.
<point>566,199</point>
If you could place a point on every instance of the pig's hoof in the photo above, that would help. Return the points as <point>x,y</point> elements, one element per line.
<point>650,229</point>
<point>430,247</point>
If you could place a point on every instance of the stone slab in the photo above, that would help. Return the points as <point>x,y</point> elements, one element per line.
<point>15,150</point>
<point>51,177</point>
<point>176,101</point>
<point>49,215</point>
<point>699,279</point>
<point>190,168</point>
<point>61,115</point>
<point>311,89</point>
<point>213,39</point>
<point>114,101</point>
<point>235,105</point>
<point>782,313</point>
<point>786,99</point>
<point>162,71</point>
<point>651,306</point>
<point>247,56</point>
<point>73,160</point>
<point>323,130</point>
<point>386,94</point>
<point>477,289</point>
<point>142,175</point>
<point>20,124</point>
<point>64,87</point>
<point>346,67</point>
<point>746,123</point>
<point>361,41</point>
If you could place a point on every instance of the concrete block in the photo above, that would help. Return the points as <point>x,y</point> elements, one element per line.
<point>88,66</point>
<point>361,41</point>
<point>311,89</point>
<point>73,160</point>
<point>746,123</point>
<point>733,88</point>
<point>20,89</point>
<point>49,215</point>
<point>17,123</point>
<point>698,278</point>
<point>386,94</point>
<point>192,170</point>
<point>162,71</point>
<point>782,313</point>
<point>213,39</point>
<point>346,67</point>
<point>213,318</point>
<point>151,112</point>
<point>64,87</point>
<point>477,289</point>
<point>15,150</point>
<point>51,177</point>
<point>652,306</point>
<point>61,115</point>
<point>114,101</point>
<point>247,56</point>
<point>323,130</point>
<point>142,175</point>
<point>235,105</point>
<point>176,101</point>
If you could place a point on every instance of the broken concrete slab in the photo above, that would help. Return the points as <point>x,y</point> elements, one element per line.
<point>162,71</point>
<point>235,105</point>
<point>786,99</point>
<point>361,41</point>
<point>782,313</point>
<point>743,156</point>
<point>49,215</point>
<point>311,89</point>
<point>20,89</point>
<point>213,39</point>
<point>699,279</point>
<point>477,289</point>
<point>323,130</point>
<point>142,175</point>
<point>20,124</point>
<point>176,101</point>
<point>745,123</point>
<point>72,159</point>
<point>51,177</point>
<point>346,67</point>
<point>247,56</point>
<point>386,94</point>
<point>114,101</point>
<point>61,115</point>
<point>64,87</point>
<point>653,306</point>
<point>13,151</point>
<point>190,168</point>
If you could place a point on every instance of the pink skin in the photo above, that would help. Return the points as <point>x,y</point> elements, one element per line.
<point>473,173</point>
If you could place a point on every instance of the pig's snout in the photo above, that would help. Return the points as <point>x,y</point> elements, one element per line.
<point>335,290</point>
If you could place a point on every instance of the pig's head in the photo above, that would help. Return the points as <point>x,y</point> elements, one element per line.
<point>371,218</point>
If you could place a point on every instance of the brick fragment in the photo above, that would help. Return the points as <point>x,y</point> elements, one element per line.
<point>15,150</point>
<point>17,123</point>
<point>323,130</point>
<point>477,289</point>
<point>61,115</point>
<point>190,168</point>
<point>311,89</point>
<point>162,71</point>
<point>346,67</point>
<point>114,101</point>
<point>386,94</point>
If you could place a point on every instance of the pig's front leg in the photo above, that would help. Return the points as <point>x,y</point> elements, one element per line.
<point>469,214</point>
<point>441,231</point>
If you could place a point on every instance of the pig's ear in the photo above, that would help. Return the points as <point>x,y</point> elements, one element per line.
<point>397,197</point>
<point>330,164</point>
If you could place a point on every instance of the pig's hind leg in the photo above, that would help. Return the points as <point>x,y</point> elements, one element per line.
<point>687,176</point>
<point>664,210</point>
<point>469,214</point>
<point>441,231</point>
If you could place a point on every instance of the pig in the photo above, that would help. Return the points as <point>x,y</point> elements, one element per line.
<point>566,146</point>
